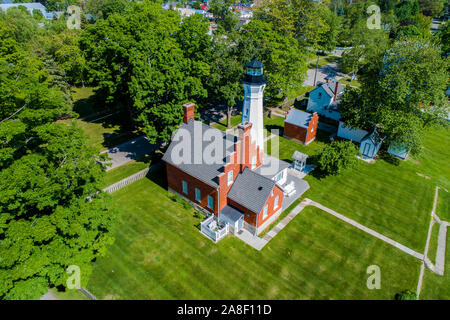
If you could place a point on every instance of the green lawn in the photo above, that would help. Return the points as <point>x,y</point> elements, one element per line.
<point>323,61</point>
<point>436,287</point>
<point>433,243</point>
<point>286,147</point>
<point>346,82</point>
<point>235,120</point>
<point>160,254</point>
<point>104,127</point>
<point>105,133</point>
<point>126,170</point>
<point>443,205</point>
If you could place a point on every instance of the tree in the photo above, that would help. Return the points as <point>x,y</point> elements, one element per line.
<point>337,156</point>
<point>444,37</point>
<point>396,95</point>
<point>137,60</point>
<point>224,80</point>
<point>406,295</point>
<point>406,9</point>
<point>47,171</point>
<point>225,17</point>
<point>431,7</point>
<point>283,58</point>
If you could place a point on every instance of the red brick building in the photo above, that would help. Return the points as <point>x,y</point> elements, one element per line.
<point>232,183</point>
<point>227,176</point>
<point>301,126</point>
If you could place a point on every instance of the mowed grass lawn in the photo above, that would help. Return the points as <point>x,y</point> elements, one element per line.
<point>160,254</point>
<point>393,200</point>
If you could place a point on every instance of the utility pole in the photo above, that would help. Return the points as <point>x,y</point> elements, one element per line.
<point>317,66</point>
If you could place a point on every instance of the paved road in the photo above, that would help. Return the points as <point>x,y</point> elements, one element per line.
<point>49,296</point>
<point>129,151</point>
<point>322,72</point>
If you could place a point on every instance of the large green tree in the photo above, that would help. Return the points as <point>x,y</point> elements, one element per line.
<point>46,173</point>
<point>143,58</point>
<point>403,93</point>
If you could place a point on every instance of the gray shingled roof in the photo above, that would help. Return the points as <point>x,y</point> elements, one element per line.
<point>329,88</point>
<point>298,118</point>
<point>206,172</point>
<point>251,190</point>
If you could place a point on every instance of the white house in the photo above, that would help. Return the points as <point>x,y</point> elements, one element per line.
<point>325,99</point>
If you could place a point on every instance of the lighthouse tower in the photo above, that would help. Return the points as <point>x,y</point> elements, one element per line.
<point>252,110</point>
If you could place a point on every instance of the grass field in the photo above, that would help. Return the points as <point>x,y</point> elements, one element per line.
<point>126,170</point>
<point>160,254</point>
<point>436,287</point>
<point>286,147</point>
<point>346,82</point>
<point>235,120</point>
<point>443,205</point>
<point>103,128</point>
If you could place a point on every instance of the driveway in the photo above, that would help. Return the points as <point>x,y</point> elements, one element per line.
<point>322,72</point>
<point>129,151</point>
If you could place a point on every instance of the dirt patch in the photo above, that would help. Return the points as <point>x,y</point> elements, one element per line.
<point>423,176</point>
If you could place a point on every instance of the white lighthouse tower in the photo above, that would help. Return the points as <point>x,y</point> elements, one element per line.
<point>252,110</point>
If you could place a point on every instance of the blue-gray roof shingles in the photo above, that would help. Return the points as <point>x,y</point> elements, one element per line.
<point>251,190</point>
<point>299,118</point>
<point>199,169</point>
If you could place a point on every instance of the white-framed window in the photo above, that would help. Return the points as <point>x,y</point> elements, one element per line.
<point>265,212</point>
<point>312,129</point>
<point>275,204</point>
<point>230,177</point>
<point>184,185</point>
<point>279,176</point>
<point>211,202</point>
<point>198,195</point>
<point>254,162</point>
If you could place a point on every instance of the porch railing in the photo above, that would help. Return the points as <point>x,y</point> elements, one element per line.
<point>213,234</point>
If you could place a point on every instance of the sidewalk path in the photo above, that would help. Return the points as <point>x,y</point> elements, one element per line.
<point>129,151</point>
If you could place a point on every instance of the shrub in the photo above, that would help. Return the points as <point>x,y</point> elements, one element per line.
<point>406,295</point>
<point>337,156</point>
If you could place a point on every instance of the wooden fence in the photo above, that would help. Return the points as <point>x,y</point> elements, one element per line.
<point>128,180</point>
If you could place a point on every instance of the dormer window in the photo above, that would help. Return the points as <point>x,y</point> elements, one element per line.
<point>230,177</point>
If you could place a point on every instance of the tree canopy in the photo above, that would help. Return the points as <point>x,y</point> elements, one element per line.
<point>47,171</point>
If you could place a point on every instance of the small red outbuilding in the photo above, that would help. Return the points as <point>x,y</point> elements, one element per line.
<point>301,126</point>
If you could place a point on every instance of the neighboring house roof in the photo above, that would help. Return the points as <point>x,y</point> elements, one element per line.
<point>251,190</point>
<point>271,166</point>
<point>373,137</point>
<point>299,156</point>
<point>206,172</point>
<point>330,87</point>
<point>299,118</point>
<point>30,5</point>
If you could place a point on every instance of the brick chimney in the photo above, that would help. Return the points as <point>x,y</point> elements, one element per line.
<point>244,140</point>
<point>336,90</point>
<point>188,109</point>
